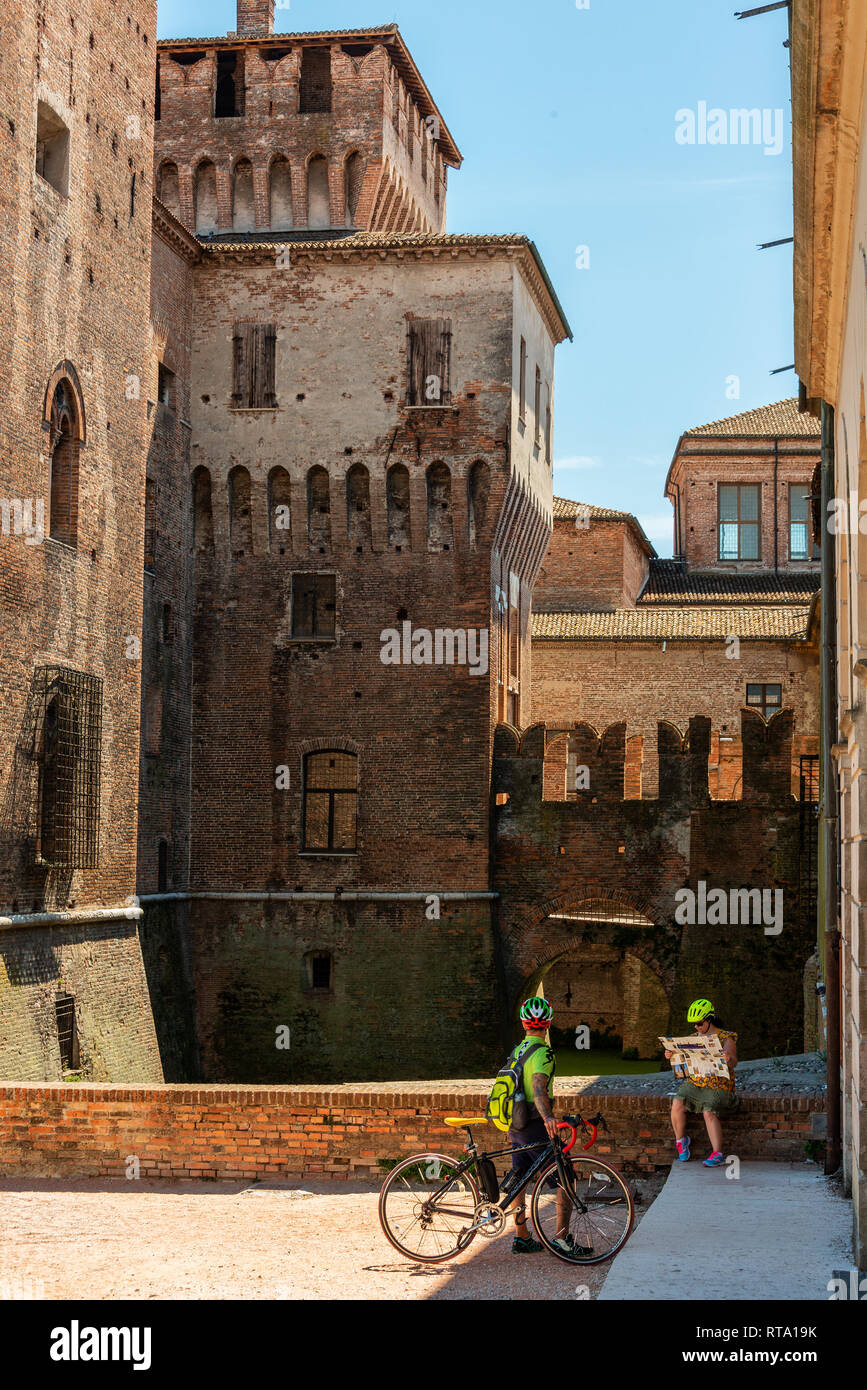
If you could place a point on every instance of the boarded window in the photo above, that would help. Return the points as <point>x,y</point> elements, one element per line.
<point>203,520</point>
<point>330,802</point>
<point>429,343</point>
<point>318,199</point>
<point>318,510</point>
<point>739,521</point>
<point>243,203</point>
<point>353,181</point>
<point>315,87</point>
<point>68,758</point>
<point>281,195</point>
<point>52,149</point>
<point>67,1033</point>
<point>169,189</point>
<point>229,95</point>
<point>63,490</point>
<point>150,525</point>
<point>439,508</point>
<point>479,487</point>
<point>206,217</point>
<point>240,514</point>
<point>397,501</point>
<point>537,409</point>
<point>279,511</point>
<point>254,348</point>
<point>358,507</point>
<point>314,605</point>
<point>522,382</point>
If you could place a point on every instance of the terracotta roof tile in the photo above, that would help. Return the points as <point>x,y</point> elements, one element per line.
<point>670,583</point>
<point>684,624</point>
<point>782,417</point>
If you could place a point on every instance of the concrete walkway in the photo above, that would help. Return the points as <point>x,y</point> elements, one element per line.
<point>779,1230</point>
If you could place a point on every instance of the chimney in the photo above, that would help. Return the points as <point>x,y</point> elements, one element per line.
<point>255,18</point>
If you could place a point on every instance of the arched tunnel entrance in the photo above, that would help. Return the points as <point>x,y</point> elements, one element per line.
<point>598,979</point>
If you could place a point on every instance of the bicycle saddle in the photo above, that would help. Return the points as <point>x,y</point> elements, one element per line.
<point>464,1119</point>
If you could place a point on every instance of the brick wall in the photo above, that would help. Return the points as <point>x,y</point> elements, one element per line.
<point>597,569</point>
<point>278,1132</point>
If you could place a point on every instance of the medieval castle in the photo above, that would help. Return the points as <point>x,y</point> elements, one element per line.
<point>259,409</point>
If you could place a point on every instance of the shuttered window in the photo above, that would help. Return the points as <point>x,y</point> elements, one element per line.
<point>428,361</point>
<point>330,802</point>
<point>314,605</point>
<point>254,348</point>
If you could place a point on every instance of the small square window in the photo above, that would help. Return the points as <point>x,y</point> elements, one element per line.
<point>52,149</point>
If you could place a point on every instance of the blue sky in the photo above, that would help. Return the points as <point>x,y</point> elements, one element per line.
<point>566,118</point>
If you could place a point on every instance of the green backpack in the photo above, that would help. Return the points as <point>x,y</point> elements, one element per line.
<point>508,1107</point>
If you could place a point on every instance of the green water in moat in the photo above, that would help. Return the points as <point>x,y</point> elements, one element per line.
<point>598,1061</point>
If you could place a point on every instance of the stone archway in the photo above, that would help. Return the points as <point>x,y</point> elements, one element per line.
<point>598,956</point>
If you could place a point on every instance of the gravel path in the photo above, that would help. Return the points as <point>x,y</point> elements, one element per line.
<point>119,1240</point>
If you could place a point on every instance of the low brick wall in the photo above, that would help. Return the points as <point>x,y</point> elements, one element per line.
<point>217,1132</point>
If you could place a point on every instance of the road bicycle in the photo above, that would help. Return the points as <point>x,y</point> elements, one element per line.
<point>431,1206</point>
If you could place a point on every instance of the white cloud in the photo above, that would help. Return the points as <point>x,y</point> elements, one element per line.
<point>577,461</point>
<point>658,527</point>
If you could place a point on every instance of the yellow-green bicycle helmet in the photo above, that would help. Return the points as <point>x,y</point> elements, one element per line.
<point>699,1010</point>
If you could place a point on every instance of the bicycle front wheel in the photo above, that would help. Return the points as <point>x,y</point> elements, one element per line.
<point>426,1208</point>
<point>596,1210</point>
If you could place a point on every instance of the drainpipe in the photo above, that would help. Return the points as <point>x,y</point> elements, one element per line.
<point>775,508</point>
<point>830,826</point>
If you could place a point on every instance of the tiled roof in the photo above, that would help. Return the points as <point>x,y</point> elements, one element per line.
<point>274,40</point>
<point>670,583</point>
<point>783,418</point>
<point>565,507</point>
<point>760,623</point>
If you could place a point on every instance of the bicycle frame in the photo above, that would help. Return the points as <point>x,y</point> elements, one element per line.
<point>549,1150</point>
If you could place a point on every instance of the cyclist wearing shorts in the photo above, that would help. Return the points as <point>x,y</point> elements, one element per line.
<point>712,1096</point>
<point>538,1076</point>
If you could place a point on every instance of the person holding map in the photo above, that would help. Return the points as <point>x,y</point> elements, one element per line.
<point>710,1084</point>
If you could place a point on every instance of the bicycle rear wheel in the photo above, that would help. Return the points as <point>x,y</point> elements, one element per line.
<point>425,1210</point>
<point>599,1205</point>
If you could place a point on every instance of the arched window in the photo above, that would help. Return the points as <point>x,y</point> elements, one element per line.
<point>169,189</point>
<point>440,536</point>
<point>318,200</point>
<point>205,192</point>
<point>240,514</point>
<point>279,513</point>
<point>397,502</point>
<point>281,195</point>
<point>318,510</point>
<point>63,492</point>
<point>478,489</point>
<point>358,507</point>
<point>330,802</point>
<point>203,520</point>
<point>243,203</point>
<point>353,179</point>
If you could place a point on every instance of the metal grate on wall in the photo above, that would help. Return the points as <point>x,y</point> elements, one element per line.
<point>67,745</point>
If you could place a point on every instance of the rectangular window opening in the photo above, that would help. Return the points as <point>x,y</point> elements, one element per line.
<point>428,369</point>
<point>67,1033</point>
<point>254,352</point>
<point>315,85</point>
<point>739,521</point>
<point>314,605</point>
<point>52,149</point>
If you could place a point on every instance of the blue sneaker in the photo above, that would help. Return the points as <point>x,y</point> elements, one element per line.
<point>716,1159</point>
<point>683,1149</point>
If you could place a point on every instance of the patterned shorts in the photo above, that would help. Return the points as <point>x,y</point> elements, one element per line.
<point>698,1098</point>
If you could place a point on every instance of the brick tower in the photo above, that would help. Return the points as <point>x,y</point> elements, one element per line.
<point>76,150</point>
<point>369,497</point>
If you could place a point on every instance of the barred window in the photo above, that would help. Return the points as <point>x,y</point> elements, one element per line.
<point>67,756</point>
<point>330,802</point>
<point>429,344</point>
<point>254,347</point>
<point>799,538</point>
<point>67,1033</point>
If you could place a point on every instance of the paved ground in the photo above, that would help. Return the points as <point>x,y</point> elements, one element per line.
<point>122,1240</point>
<point>778,1230</point>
